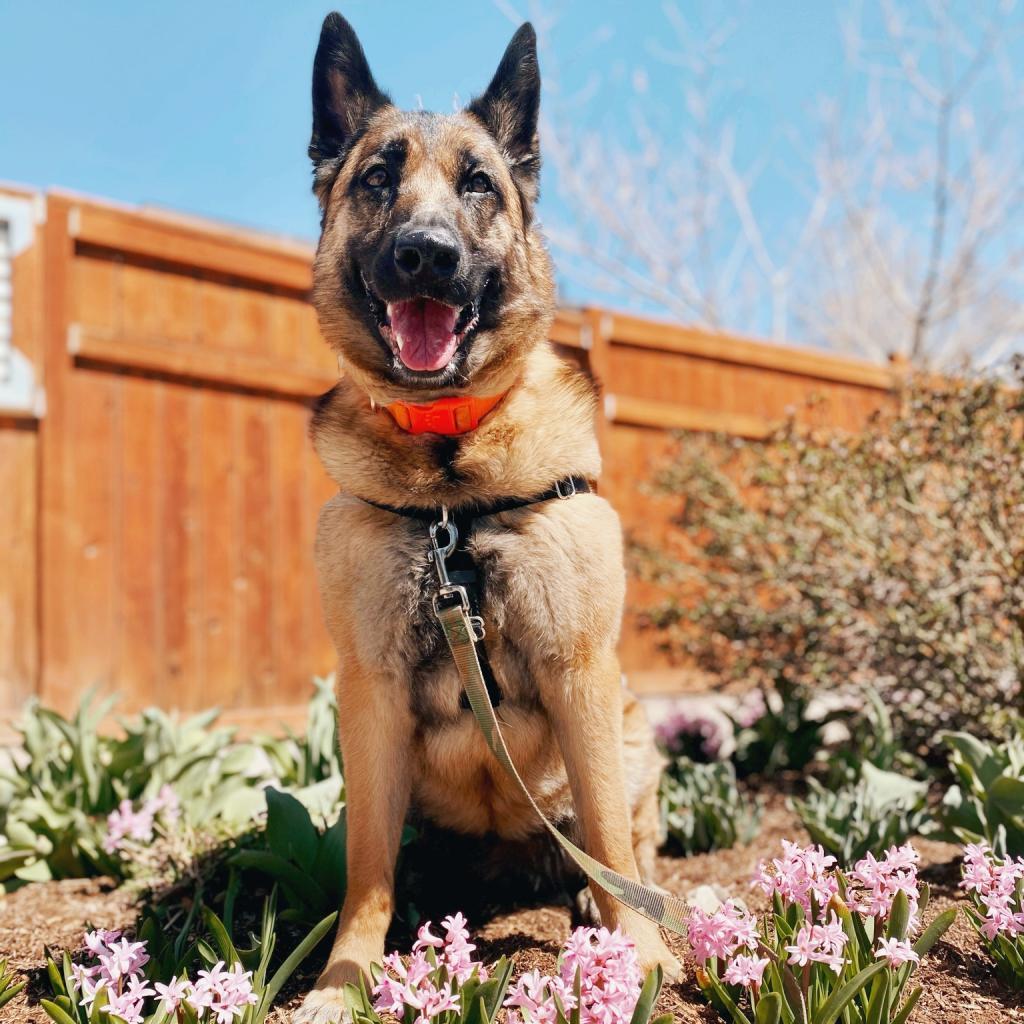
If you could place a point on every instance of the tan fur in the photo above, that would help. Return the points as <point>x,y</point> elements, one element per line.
<point>554,581</point>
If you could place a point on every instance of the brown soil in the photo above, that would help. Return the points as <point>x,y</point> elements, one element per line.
<point>959,985</point>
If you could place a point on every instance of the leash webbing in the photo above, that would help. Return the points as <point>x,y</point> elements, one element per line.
<point>460,631</point>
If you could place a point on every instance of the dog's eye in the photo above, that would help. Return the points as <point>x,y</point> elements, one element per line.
<point>479,183</point>
<point>377,177</point>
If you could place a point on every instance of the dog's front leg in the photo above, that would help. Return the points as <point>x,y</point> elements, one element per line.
<point>376,734</point>
<point>585,706</point>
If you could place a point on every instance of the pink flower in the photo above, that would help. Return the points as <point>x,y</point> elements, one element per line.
<point>609,981</point>
<point>609,974</point>
<point>224,993</point>
<point>532,996</point>
<point>722,933</point>
<point>425,939</point>
<point>681,732</point>
<point>747,971</point>
<point>127,823</point>
<point>123,958</point>
<point>874,884</point>
<point>96,942</point>
<point>897,952</point>
<point>427,983</point>
<point>87,983</point>
<point>993,883</point>
<point>820,944</point>
<point>172,994</point>
<point>802,875</point>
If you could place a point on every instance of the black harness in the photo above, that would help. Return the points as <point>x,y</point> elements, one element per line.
<point>462,566</point>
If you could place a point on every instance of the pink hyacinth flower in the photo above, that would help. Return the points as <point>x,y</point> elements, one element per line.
<point>897,952</point>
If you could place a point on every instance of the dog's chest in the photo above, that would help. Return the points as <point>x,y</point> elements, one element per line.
<point>435,691</point>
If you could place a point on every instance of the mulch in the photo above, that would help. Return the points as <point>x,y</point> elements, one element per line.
<point>959,984</point>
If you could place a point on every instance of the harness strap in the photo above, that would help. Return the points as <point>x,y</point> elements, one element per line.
<point>463,514</point>
<point>668,911</point>
<point>463,567</point>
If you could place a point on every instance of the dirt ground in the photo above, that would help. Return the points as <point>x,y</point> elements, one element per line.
<point>959,986</point>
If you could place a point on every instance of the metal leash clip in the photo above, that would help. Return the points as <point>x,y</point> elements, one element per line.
<point>439,555</point>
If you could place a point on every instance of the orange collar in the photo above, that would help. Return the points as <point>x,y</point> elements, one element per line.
<point>456,415</point>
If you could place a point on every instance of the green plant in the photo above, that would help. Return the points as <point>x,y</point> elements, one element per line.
<point>892,557</point>
<point>872,737</point>
<point>9,987</point>
<point>67,777</point>
<point>996,888</point>
<point>703,808</point>
<point>111,997</point>
<point>480,1002</point>
<point>780,732</point>
<point>598,980</point>
<point>833,948</point>
<point>880,810</point>
<point>987,802</point>
<point>298,763</point>
<point>307,864</point>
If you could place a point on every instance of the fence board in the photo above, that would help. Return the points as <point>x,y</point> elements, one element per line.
<point>169,555</point>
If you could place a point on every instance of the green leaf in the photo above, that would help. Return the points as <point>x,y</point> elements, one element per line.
<point>899,917</point>
<point>836,1002</point>
<point>9,993</point>
<point>283,871</point>
<point>935,931</point>
<point>648,996</point>
<point>226,947</point>
<point>290,830</point>
<point>878,1004</point>
<point>908,1007</point>
<point>738,1016</point>
<point>1007,793</point>
<point>55,1012</point>
<point>769,1009</point>
<point>301,951</point>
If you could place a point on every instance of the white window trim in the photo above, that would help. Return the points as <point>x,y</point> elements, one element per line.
<point>20,395</point>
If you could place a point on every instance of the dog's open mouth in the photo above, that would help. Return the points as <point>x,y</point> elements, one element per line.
<point>424,334</point>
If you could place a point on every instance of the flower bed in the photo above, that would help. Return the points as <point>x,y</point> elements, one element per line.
<point>959,984</point>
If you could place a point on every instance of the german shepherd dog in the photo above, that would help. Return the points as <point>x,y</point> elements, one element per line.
<point>433,284</point>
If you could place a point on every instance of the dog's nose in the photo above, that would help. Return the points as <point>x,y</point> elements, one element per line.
<point>427,255</point>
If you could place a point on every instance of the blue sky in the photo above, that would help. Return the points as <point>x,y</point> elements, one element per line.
<point>204,107</point>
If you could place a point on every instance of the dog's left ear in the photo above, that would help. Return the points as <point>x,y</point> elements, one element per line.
<point>510,106</point>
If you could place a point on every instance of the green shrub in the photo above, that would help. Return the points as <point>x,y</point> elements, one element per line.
<point>67,777</point>
<point>893,557</point>
<point>987,803</point>
<point>880,810</point>
<point>703,808</point>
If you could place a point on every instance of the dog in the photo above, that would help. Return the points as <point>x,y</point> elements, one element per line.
<point>432,283</point>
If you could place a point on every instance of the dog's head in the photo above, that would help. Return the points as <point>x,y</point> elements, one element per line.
<point>429,275</point>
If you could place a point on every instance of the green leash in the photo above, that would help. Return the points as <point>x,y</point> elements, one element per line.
<point>464,631</point>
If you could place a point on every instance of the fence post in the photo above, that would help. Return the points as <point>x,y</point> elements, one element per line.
<point>597,329</point>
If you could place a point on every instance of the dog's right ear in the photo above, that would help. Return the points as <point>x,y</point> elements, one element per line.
<point>345,95</point>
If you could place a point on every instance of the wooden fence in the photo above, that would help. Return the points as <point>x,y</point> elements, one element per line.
<point>157,511</point>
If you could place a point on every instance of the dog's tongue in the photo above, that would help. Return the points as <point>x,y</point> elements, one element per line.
<point>424,331</point>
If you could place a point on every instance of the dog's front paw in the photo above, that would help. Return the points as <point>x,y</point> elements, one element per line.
<point>323,1006</point>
